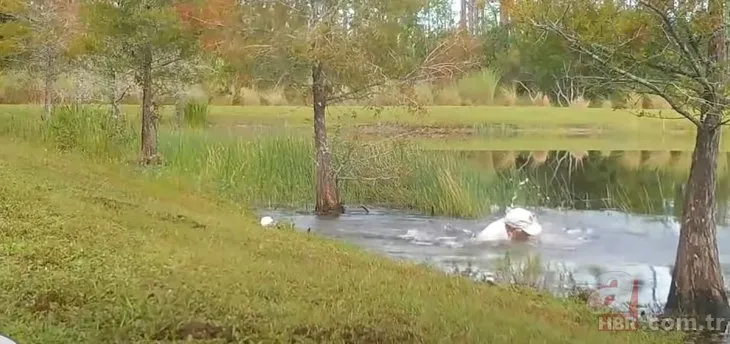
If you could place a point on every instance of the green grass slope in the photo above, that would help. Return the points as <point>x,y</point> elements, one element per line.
<point>99,254</point>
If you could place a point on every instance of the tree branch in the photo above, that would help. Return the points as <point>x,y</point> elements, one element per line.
<point>582,48</point>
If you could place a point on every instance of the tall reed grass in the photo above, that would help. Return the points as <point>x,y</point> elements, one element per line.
<point>195,113</point>
<point>278,169</point>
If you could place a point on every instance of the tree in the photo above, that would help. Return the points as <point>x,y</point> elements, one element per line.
<point>675,50</point>
<point>12,31</point>
<point>223,27</point>
<point>351,61</point>
<point>340,50</point>
<point>148,38</point>
<point>41,36</point>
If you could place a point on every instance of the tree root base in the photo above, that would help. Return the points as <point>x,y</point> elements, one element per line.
<point>152,160</point>
<point>335,210</point>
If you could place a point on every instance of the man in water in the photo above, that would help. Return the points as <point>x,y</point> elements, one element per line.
<point>517,225</point>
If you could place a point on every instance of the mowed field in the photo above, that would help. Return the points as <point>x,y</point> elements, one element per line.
<point>526,117</point>
<point>526,128</point>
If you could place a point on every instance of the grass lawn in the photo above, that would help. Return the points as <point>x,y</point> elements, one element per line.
<point>100,254</point>
<point>522,117</point>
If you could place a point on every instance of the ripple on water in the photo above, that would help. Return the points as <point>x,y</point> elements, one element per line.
<point>583,242</point>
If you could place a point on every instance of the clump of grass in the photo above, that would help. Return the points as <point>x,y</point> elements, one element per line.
<point>448,95</point>
<point>479,88</point>
<point>508,95</point>
<point>194,113</point>
<point>88,129</point>
<point>453,197</point>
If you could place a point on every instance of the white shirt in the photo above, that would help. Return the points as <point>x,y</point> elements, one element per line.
<point>496,231</point>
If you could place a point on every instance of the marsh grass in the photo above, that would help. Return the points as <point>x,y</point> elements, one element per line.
<point>277,170</point>
<point>87,129</point>
<point>195,113</point>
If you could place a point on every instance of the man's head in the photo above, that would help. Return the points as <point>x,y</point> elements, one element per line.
<point>521,224</point>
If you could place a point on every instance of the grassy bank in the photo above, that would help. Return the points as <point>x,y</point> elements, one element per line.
<point>278,170</point>
<point>94,253</point>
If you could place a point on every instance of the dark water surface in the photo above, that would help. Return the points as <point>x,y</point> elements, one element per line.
<point>606,216</point>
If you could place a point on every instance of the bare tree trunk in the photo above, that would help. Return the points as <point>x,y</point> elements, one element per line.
<point>462,18</point>
<point>113,101</point>
<point>149,115</point>
<point>48,91</point>
<point>236,94</point>
<point>180,110</point>
<point>697,283</point>
<point>504,11</point>
<point>327,196</point>
<point>473,17</point>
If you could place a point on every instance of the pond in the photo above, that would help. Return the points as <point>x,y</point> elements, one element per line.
<point>608,215</point>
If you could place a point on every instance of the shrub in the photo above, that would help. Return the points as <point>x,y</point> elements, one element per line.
<point>250,96</point>
<point>424,94</point>
<point>448,95</point>
<point>479,88</point>
<point>273,96</point>
<point>508,95</point>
